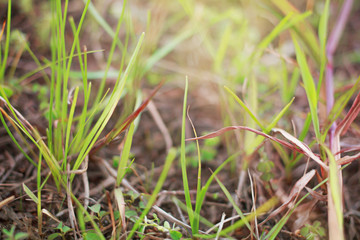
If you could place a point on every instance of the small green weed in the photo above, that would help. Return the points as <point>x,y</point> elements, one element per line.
<point>314,231</point>
<point>98,214</point>
<point>11,235</point>
<point>63,229</point>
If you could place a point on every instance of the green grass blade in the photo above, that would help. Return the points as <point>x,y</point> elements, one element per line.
<point>196,220</point>
<point>88,216</point>
<point>309,86</point>
<point>168,162</point>
<point>35,137</point>
<point>261,210</point>
<point>68,128</point>
<point>293,84</point>
<point>38,183</point>
<point>243,105</point>
<point>162,52</point>
<point>30,194</point>
<point>69,64</point>
<point>188,6</point>
<point>74,74</point>
<point>232,201</point>
<point>322,32</point>
<point>125,155</point>
<point>195,223</point>
<point>287,22</point>
<point>109,109</point>
<point>224,43</point>
<point>111,53</point>
<point>274,231</point>
<point>15,141</point>
<point>102,22</point>
<point>259,139</point>
<point>336,194</point>
<point>306,127</point>
<point>200,197</point>
<point>7,44</point>
<point>183,159</point>
<point>304,29</point>
<point>279,116</point>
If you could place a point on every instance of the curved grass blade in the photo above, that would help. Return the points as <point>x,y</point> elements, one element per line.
<point>183,161</point>
<point>350,117</point>
<point>295,144</point>
<point>299,185</point>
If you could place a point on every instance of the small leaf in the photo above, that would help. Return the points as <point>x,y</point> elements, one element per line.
<point>317,224</point>
<point>53,236</point>
<point>88,218</point>
<point>65,229</point>
<point>116,215</point>
<point>8,91</point>
<point>156,219</point>
<point>9,233</point>
<point>267,176</point>
<point>167,225</point>
<point>116,160</point>
<point>103,213</point>
<point>130,213</point>
<point>91,236</point>
<point>175,235</point>
<point>265,166</point>
<point>142,205</point>
<point>95,208</point>
<point>21,235</point>
<point>60,226</point>
<point>304,231</point>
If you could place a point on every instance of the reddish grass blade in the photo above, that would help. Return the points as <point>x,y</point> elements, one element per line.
<point>116,132</point>
<point>2,30</point>
<point>307,151</point>
<point>316,195</point>
<point>299,185</point>
<point>295,144</point>
<point>350,117</point>
<point>348,159</point>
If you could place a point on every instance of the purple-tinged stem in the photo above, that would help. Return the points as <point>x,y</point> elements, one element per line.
<point>336,232</point>
<point>331,46</point>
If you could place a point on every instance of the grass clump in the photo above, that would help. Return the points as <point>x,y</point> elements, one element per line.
<point>264,89</point>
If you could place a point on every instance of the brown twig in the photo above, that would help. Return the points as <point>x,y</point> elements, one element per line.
<point>111,214</point>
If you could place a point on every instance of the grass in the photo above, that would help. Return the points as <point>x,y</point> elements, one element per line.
<point>275,101</point>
